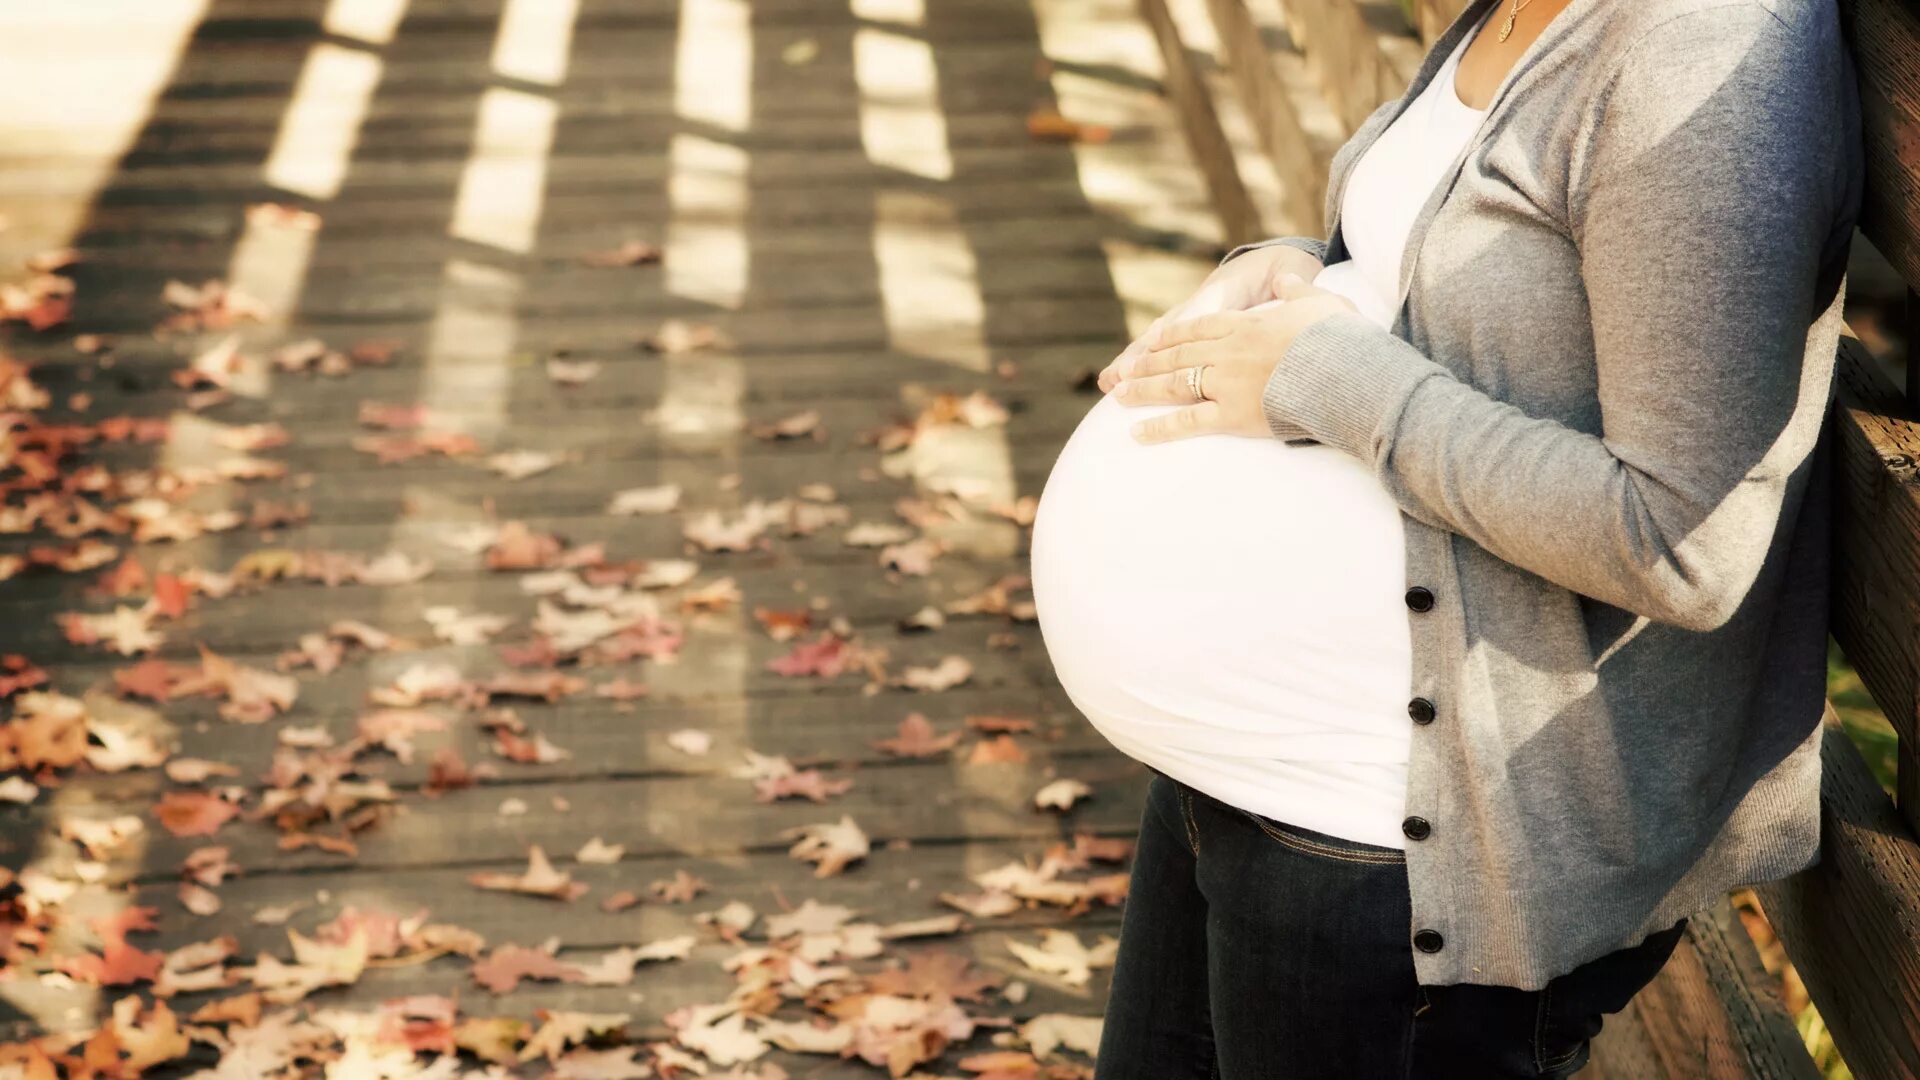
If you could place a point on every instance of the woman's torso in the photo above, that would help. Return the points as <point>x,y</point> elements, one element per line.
<point>1230,610</point>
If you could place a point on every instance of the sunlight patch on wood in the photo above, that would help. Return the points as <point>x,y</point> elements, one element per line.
<point>901,125</point>
<point>371,21</point>
<point>929,280</point>
<point>81,80</point>
<point>505,180</point>
<point>1144,175</point>
<point>270,265</point>
<point>706,250</point>
<point>899,12</point>
<point>322,123</point>
<point>713,66</point>
<point>470,346</point>
<point>699,413</point>
<point>535,39</point>
<point>1149,281</point>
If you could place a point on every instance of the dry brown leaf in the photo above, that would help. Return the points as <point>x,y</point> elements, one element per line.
<point>831,846</point>
<point>540,879</point>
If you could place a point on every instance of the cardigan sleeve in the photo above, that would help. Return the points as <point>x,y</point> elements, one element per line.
<point>1312,246</point>
<point>1711,184</point>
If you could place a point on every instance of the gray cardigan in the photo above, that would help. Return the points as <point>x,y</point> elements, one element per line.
<point>1600,409</point>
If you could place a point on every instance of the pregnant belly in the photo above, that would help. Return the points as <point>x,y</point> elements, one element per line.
<point>1224,594</point>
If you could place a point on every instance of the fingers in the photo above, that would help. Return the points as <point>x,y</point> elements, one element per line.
<point>1202,328</point>
<point>1116,369</point>
<point>1159,360</point>
<point>1166,389</point>
<point>1184,423</point>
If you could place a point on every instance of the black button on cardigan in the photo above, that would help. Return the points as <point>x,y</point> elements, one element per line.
<point>1420,598</point>
<point>1421,710</point>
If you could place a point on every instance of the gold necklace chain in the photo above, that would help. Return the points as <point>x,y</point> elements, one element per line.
<point>1506,28</point>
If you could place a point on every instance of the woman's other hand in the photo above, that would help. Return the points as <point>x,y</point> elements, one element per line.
<point>1235,285</point>
<point>1239,349</point>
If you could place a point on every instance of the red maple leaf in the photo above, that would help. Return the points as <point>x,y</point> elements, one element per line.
<point>120,965</point>
<point>151,679</point>
<point>113,929</point>
<point>171,595</point>
<point>826,656</point>
<point>506,965</point>
<point>22,674</point>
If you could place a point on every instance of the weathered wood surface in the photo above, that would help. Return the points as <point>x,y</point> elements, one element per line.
<point>1062,248</point>
<point>1885,36</point>
<point>1851,923</point>
<point>1714,1012</point>
<point>1876,516</point>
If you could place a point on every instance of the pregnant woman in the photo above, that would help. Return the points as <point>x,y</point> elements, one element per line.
<point>1462,576</point>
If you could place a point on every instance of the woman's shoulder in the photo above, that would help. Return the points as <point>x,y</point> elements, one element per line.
<point>1744,63</point>
<point>1644,31</point>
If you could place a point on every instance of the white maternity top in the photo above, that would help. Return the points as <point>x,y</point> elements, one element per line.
<point>1231,610</point>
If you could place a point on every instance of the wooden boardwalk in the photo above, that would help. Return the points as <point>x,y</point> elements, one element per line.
<point>853,198</point>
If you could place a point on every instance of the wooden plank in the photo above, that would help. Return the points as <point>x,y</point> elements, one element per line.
<point>1434,16</point>
<point>279,614</point>
<point>564,240</point>
<point>610,174</point>
<point>769,881</point>
<point>1343,55</point>
<point>916,802</point>
<point>1200,123</point>
<point>1275,118</point>
<point>657,989</point>
<point>566,289</point>
<point>833,724</point>
<point>1398,41</point>
<point>1851,923</point>
<point>768,328</point>
<point>1714,1013</point>
<point>1885,39</point>
<point>1623,1050</point>
<point>138,382</point>
<point>1876,519</point>
<point>163,217</point>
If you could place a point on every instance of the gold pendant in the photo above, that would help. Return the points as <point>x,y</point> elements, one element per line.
<point>1506,28</point>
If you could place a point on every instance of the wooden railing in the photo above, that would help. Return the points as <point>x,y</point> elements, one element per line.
<point>1850,924</point>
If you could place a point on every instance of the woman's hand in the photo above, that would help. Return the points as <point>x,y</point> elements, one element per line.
<point>1235,285</point>
<point>1239,351</point>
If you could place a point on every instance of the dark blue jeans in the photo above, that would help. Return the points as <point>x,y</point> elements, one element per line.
<point>1256,950</point>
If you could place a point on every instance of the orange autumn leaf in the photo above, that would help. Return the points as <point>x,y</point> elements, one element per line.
<point>1001,749</point>
<point>917,739</point>
<point>119,964</point>
<point>1048,125</point>
<point>194,813</point>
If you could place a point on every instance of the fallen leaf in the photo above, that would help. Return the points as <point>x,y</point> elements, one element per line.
<point>676,336</point>
<point>505,967</point>
<point>193,813</point>
<point>598,852</point>
<point>917,738</point>
<point>1062,953</point>
<point>951,671</point>
<point>999,750</point>
<point>630,253</point>
<point>830,846</point>
<point>691,741</point>
<point>540,879</point>
<point>659,499</point>
<point>1061,794</point>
